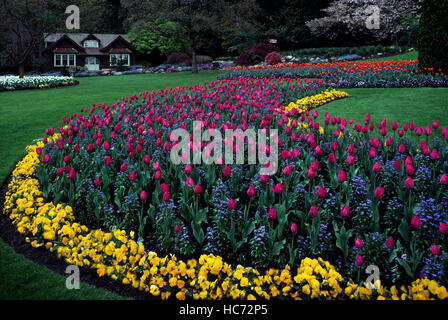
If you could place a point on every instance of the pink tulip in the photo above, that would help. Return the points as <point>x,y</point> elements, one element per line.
<point>345,211</point>
<point>389,243</point>
<point>97,182</point>
<point>443,179</point>
<point>321,192</point>
<point>376,167</point>
<point>227,172</point>
<point>415,222</point>
<point>358,243</point>
<point>409,183</point>
<point>250,191</point>
<point>231,204</point>
<point>198,189</point>
<point>313,212</point>
<point>435,250</point>
<point>442,228</point>
<point>342,176</point>
<point>359,261</point>
<point>272,215</point>
<point>293,228</point>
<point>379,192</point>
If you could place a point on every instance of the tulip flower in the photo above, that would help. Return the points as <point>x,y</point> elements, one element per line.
<point>397,165</point>
<point>227,172</point>
<point>287,171</point>
<point>379,192</point>
<point>442,228</point>
<point>97,182</point>
<point>345,211</point>
<point>331,158</point>
<point>250,191</point>
<point>72,174</point>
<point>272,215</point>
<point>177,229</point>
<point>415,222</point>
<point>376,167</point>
<point>293,228</point>
<point>409,183</point>
<point>158,175</point>
<point>342,176</point>
<point>264,179</point>
<point>198,189</point>
<point>359,261</point>
<point>358,243</point>
<point>146,159</point>
<point>351,160</point>
<point>231,204</point>
<point>443,179</point>
<point>313,212</point>
<point>123,167</point>
<point>389,243</point>
<point>107,160</point>
<point>321,192</point>
<point>435,250</point>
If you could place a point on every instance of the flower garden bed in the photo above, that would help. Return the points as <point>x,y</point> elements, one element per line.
<point>8,83</point>
<point>101,190</point>
<point>363,74</point>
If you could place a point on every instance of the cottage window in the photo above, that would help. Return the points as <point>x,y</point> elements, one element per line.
<point>90,44</point>
<point>62,60</point>
<point>115,59</point>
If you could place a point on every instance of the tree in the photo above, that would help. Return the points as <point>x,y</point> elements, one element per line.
<point>161,36</point>
<point>22,26</point>
<point>198,18</point>
<point>433,35</point>
<point>350,17</point>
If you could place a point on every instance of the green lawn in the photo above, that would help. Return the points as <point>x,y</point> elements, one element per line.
<point>421,105</point>
<point>26,115</point>
<point>412,55</point>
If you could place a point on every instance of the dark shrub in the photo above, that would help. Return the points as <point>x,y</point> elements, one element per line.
<point>433,35</point>
<point>256,54</point>
<point>273,58</point>
<point>179,58</point>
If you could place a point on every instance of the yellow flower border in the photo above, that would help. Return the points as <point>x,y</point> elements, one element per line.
<point>118,256</point>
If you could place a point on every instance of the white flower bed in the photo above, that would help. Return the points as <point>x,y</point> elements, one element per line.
<point>14,82</point>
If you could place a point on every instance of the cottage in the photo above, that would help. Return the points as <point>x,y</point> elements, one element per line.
<point>94,51</point>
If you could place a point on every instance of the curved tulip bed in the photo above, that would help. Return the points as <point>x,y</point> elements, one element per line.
<point>100,190</point>
<point>346,74</point>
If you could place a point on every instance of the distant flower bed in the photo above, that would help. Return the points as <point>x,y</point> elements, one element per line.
<point>365,74</point>
<point>34,82</point>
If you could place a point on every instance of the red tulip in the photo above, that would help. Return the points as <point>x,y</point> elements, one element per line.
<point>401,148</point>
<point>345,211</point>
<point>331,158</point>
<point>435,250</point>
<point>434,154</point>
<point>132,176</point>
<point>198,189</point>
<point>293,228</point>
<point>435,124</point>
<point>146,159</point>
<point>409,183</point>
<point>177,229</point>
<point>443,179</point>
<point>321,192</point>
<point>287,171</point>
<point>107,160</point>
<point>97,181</point>
<point>250,191</point>
<point>397,165</point>
<point>342,176</point>
<point>376,167</point>
<point>264,179</point>
<point>188,169</point>
<point>232,204</point>
<point>143,195</point>
<point>123,167</point>
<point>358,243</point>
<point>379,192</point>
<point>359,261</point>
<point>189,182</point>
<point>272,215</point>
<point>227,171</point>
<point>72,174</point>
<point>158,175</point>
<point>60,171</point>
<point>46,158</point>
<point>442,228</point>
<point>389,243</point>
<point>351,160</point>
<point>415,222</point>
<point>372,152</point>
<point>166,197</point>
<point>164,188</point>
<point>313,212</point>
<point>311,173</point>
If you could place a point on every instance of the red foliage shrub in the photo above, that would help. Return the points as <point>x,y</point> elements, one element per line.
<point>256,54</point>
<point>273,58</point>
<point>179,57</point>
